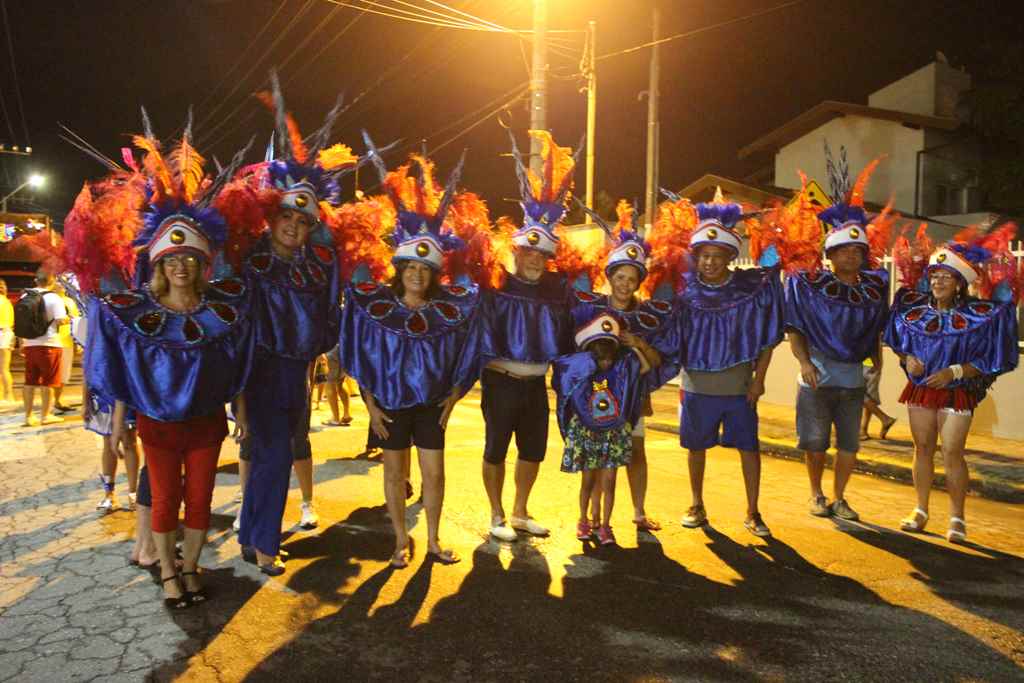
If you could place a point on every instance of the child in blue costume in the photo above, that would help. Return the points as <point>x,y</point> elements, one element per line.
<point>600,394</point>
<point>176,348</point>
<point>402,340</point>
<point>293,274</point>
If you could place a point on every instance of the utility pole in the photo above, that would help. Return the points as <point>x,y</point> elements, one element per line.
<point>591,109</point>
<point>651,194</point>
<point>539,81</point>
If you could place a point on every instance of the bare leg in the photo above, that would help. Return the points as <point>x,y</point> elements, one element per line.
<point>815,462</point>
<point>57,393</point>
<point>191,548</point>
<point>845,462</point>
<point>751,462</point>
<point>165,550</point>
<point>304,473</point>
<point>925,431</point>
<point>131,459</point>
<point>595,504</point>
<point>526,475</point>
<point>346,410</point>
<point>144,552</point>
<point>865,420</point>
<point>28,395</point>
<point>332,401</point>
<point>494,482</point>
<point>695,461</point>
<point>953,429</point>
<point>243,474</point>
<point>608,478</point>
<point>394,495</point>
<point>432,470</point>
<point>587,494</point>
<point>47,397</point>
<point>636,472</point>
<point>6,381</point>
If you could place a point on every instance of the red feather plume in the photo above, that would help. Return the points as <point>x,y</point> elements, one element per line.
<point>468,219</point>
<point>240,204</point>
<point>669,240</point>
<point>358,229</point>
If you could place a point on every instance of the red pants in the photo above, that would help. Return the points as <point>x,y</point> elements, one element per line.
<point>171,446</point>
<point>42,366</point>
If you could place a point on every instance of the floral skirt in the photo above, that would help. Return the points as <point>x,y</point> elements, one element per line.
<point>586,449</point>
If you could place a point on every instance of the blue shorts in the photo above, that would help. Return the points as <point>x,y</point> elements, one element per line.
<point>707,421</point>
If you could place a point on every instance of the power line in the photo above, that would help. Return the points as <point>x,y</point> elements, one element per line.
<point>411,16</point>
<point>478,20</point>
<point>14,70</point>
<point>327,44</point>
<point>694,32</point>
<point>522,91</point>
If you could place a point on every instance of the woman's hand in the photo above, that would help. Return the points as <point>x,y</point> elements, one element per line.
<point>940,379</point>
<point>915,367</point>
<point>379,421</point>
<point>449,405</point>
<point>241,414</point>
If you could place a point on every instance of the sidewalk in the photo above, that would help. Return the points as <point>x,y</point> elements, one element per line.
<point>996,465</point>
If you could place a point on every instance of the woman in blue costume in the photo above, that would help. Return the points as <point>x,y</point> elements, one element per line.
<point>401,342</point>
<point>523,326</point>
<point>293,274</point>
<point>175,349</point>
<point>728,323</point>
<point>600,398</point>
<point>952,346</point>
<point>642,326</point>
<point>835,317</point>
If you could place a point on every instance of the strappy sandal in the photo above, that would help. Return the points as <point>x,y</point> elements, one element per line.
<point>179,603</point>
<point>400,558</point>
<point>444,556</point>
<point>955,535</point>
<point>911,523</point>
<point>195,597</point>
<point>645,523</point>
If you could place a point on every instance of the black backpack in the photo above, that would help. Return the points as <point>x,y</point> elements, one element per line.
<point>30,315</point>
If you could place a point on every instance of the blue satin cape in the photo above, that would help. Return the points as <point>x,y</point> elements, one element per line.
<point>405,357</point>
<point>603,399</point>
<point>982,333</point>
<point>170,366</point>
<point>296,303</point>
<point>523,321</point>
<point>648,320</point>
<point>842,321</point>
<point>716,328</point>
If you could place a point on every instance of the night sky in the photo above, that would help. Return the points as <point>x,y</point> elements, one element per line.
<point>90,63</point>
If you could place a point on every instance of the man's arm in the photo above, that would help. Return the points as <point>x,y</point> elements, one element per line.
<point>756,389</point>
<point>802,352</point>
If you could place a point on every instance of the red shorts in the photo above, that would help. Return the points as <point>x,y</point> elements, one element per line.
<point>42,366</point>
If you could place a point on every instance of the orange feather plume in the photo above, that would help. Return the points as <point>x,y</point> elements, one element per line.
<point>186,164</point>
<point>795,232</point>
<point>244,209</point>
<point>857,191</point>
<point>155,167</point>
<point>422,198</point>
<point>911,259</point>
<point>359,229</point>
<point>336,156</point>
<point>468,219</point>
<point>879,234</point>
<point>669,239</point>
<point>557,163</point>
<point>299,150</point>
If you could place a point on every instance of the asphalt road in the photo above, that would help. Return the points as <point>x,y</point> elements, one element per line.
<point>820,600</point>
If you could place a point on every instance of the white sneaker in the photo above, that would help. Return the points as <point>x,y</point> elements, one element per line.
<point>131,501</point>
<point>107,504</point>
<point>237,524</point>
<point>238,496</point>
<point>309,517</point>
<point>502,531</point>
<point>529,525</point>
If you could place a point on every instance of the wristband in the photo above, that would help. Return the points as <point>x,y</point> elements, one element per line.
<point>958,371</point>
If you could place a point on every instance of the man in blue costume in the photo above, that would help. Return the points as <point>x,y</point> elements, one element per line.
<point>835,320</point>
<point>293,274</point>
<point>730,320</point>
<point>528,324</point>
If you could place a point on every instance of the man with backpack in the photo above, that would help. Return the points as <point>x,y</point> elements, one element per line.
<point>38,316</point>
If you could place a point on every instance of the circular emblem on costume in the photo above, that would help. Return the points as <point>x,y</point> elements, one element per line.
<point>193,331</point>
<point>632,252</point>
<point>854,233</point>
<point>177,236</point>
<point>416,324</point>
<point>602,404</point>
<point>712,233</point>
<point>941,258</point>
<point>231,286</point>
<point>124,299</point>
<point>422,249</point>
<point>646,320</point>
<point>379,309</point>
<point>450,312</point>
<point>533,239</point>
<point>150,323</point>
<point>959,321</point>
<point>226,313</point>
<point>301,201</point>
<point>606,326</point>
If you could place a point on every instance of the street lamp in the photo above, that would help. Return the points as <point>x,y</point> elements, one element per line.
<point>34,180</point>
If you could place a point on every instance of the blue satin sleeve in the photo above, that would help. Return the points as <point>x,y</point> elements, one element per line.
<point>405,358</point>
<point>841,321</point>
<point>568,374</point>
<point>574,378</point>
<point>722,327</point>
<point>982,333</point>
<point>169,367</point>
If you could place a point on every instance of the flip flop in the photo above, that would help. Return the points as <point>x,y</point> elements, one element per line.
<point>444,557</point>
<point>646,524</point>
<point>346,421</point>
<point>400,558</point>
<point>886,428</point>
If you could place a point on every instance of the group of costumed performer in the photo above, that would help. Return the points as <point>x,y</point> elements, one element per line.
<point>835,318</point>
<point>954,327</point>
<point>292,271</point>
<point>402,339</point>
<point>175,348</point>
<point>727,324</point>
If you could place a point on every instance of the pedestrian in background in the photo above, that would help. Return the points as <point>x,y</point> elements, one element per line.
<point>6,345</point>
<point>38,316</point>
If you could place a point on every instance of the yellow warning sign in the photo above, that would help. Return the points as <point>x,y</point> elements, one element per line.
<point>817,196</point>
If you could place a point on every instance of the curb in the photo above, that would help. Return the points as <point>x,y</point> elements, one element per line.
<point>867,463</point>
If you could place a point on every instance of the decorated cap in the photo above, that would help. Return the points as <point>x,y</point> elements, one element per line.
<point>422,206</point>
<point>977,255</point>
<point>716,223</point>
<point>628,248</point>
<point>603,326</point>
<point>544,198</point>
<point>846,220</point>
<point>959,259</point>
<point>304,171</point>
